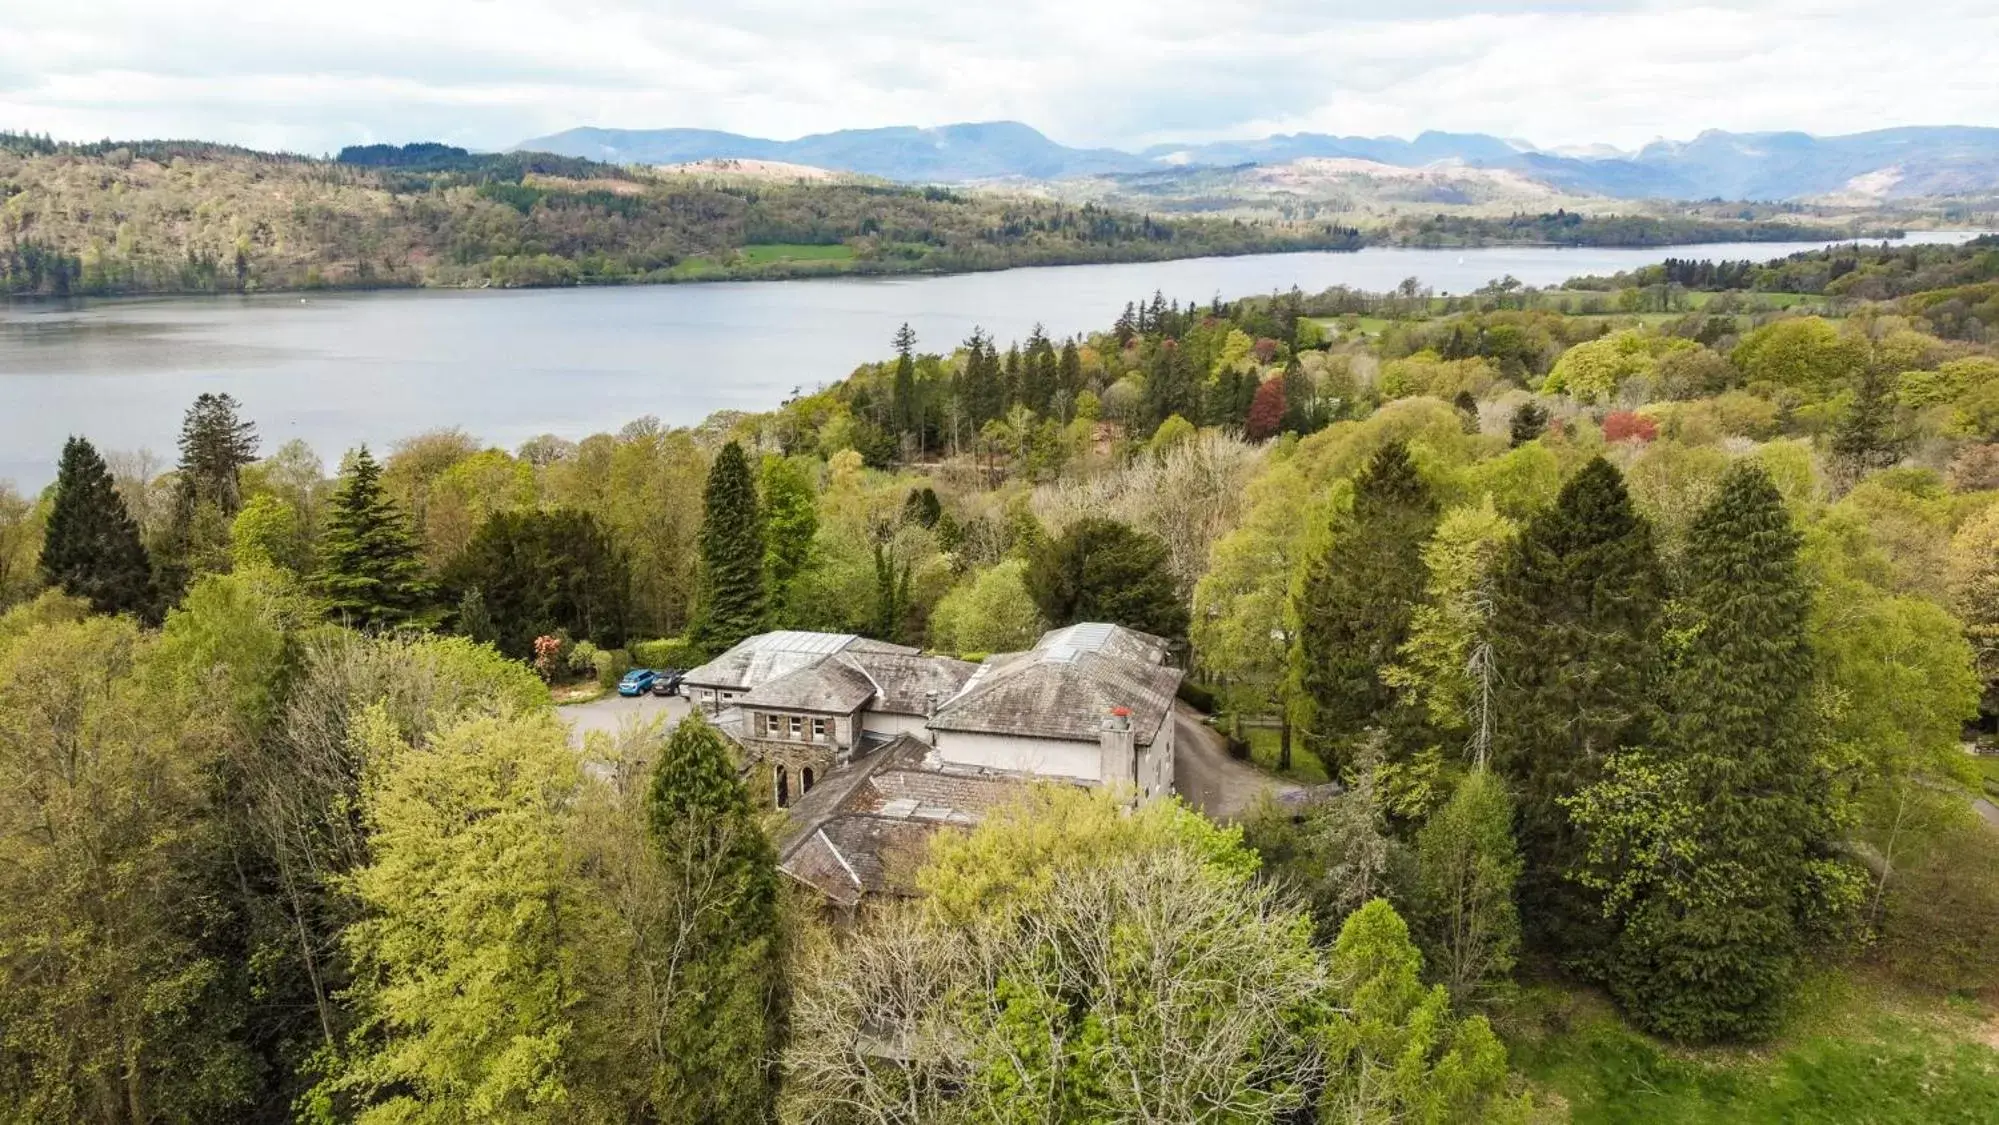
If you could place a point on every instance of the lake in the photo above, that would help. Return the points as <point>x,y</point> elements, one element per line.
<point>338,369</point>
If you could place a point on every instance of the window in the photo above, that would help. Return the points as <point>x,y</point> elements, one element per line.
<point>783,788</point>
<point>797,726</point>
<point>818,732</point>
<point>807,786</point>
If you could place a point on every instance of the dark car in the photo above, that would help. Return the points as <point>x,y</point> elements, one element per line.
<point>638,681</point>
<point>666,682</point>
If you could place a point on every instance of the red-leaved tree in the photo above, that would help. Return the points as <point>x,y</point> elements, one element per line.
<point>1624,425</point>
<point>1266,410</point>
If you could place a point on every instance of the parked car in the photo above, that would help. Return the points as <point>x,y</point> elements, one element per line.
<point>638,681</point>
<point>667,682</point>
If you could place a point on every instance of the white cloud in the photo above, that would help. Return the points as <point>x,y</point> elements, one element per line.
<point>486,73</point>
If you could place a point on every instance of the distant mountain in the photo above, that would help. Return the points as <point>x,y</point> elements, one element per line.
<point>1884,164</point>
<point>985,150</point>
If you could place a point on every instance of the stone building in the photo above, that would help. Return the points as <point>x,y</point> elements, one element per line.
<point>872,746</point>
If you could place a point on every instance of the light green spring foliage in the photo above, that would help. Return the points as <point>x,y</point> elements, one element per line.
<point>1426,374</point>
<point>114,996</point>
<point>1394,1051</point>
<point>237,625</point>
<point>791,515</point>
<point>267,532</point>
<point>1807,354</point>
<point>1467,866</point>
<point>464,977</point>
<point>1972,576</point>
<point>1435,665</point>
<point>990,612</point>
<point>1185,990</point>
<point>1595,371</point>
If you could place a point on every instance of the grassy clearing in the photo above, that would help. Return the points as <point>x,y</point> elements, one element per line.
<point>767,253</point>
<point>1306,768</point>
<point>1859,1051</point>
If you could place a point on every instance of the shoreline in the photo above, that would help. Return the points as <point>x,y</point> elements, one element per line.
<point>848,272</point>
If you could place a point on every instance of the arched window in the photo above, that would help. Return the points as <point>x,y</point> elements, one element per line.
<point>807,787</point>
<point>783,788</point>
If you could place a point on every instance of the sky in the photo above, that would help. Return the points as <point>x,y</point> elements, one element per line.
<point>312,77</point>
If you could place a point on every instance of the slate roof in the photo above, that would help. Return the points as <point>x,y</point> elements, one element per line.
<point>906,681</point>
<point>833,684</point>
<point>766,656</point>
<point>866,827</point>
<point>1065,685</point>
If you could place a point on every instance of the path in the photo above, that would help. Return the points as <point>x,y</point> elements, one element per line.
<point>1204,773</point>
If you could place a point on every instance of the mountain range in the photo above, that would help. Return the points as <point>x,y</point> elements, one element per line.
<point>1882,164</point>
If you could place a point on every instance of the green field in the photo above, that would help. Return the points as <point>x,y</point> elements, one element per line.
<point>1860,1052</point>
<point>766,253</point>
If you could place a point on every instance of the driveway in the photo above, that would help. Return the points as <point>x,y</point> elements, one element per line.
<point>613,710</point>
<point>1205,774</point>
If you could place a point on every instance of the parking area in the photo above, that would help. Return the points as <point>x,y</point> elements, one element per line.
<point>613,710</point>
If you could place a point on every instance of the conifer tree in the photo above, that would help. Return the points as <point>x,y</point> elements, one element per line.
<point>1102,570</point>
<point>1354,601</point>
<point>1527,423</point>
<point>725,995</point>
<point>1865,439</point>
<point>91,547</point>
<point>1574,650</point>
<point>1297,388</point>
<point>908,417</point>
<point>1711,940</point>
<point>732,597</point>
<point>369,572</point>
<point>215,444</point>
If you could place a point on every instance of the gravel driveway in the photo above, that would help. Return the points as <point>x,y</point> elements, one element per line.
<point>611,711</point>
<point>1210,780</point>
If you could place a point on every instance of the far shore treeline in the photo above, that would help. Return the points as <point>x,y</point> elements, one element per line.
<point>164,217</point>
<point>1647,626</point>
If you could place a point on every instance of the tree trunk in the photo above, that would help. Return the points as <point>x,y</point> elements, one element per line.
<point>1284,739</point>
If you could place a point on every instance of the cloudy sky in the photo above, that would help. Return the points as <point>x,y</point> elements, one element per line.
<point>485,73</point>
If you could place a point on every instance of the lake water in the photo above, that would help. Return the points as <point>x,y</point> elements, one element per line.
<point>506,365</point>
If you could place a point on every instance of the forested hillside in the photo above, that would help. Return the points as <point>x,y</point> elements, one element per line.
<point>1647,624</point>
<point>174,217</point>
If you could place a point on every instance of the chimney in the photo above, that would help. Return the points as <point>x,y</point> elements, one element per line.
<point>1117,750</point>
<point>930,704</point>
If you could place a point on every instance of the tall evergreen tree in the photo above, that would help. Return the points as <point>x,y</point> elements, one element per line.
<point>732,596</point>
<point>1171,385</point>
<point>984,387</point>
<point>1711,942</point>
<point>1865,437</point>
<point>91,547</point>
<point>1297,388</point>
<point>537,572</point>
<point>728,967</point>
<point>1102,570</point>
<point>369,572</point>
<point>215,444</point>
<point>907,414</point>
<point>1354,601</point>
<point>1575,633</point>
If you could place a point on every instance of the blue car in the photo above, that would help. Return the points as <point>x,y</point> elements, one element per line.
<point>638,681</point>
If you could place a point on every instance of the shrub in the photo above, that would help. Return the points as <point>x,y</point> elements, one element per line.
<point>581,659</point>
<point>610,665</point>
<point>670,652</point>
<point>1197,696</point>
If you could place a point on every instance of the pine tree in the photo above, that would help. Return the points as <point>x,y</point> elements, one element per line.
<point>91,548</point>
<point>1354,601</point>
<point>1711,946</point>
<point>908,416</point>
<point>1527,423</point>
<point>369,572</point>
<point>726,999</point>
<point>985,389</point>
<point>215,444</point>
<point>1575,633</point>
<point>1864,438</point>
<point>732,597</point>
<point>1171,385</point>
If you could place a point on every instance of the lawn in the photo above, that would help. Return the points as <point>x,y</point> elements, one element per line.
<point>1306,768</point>
<point>1860,1051</point>
<point>766,253</point>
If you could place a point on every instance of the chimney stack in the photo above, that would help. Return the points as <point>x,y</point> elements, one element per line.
<point>1117,750</point>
